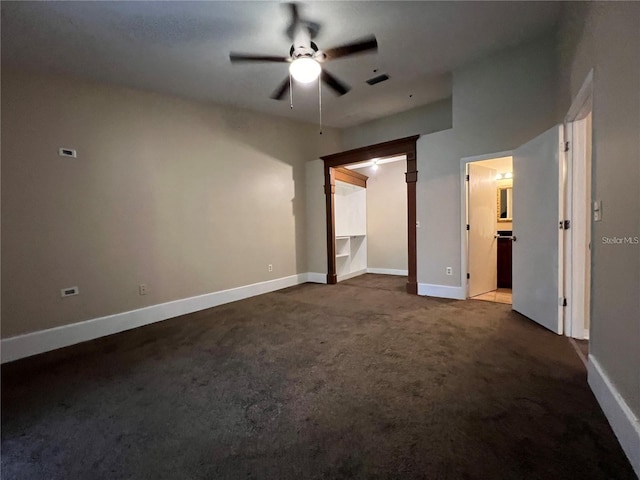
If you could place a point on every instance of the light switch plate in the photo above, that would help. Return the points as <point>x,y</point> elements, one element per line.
<point>597,210</point>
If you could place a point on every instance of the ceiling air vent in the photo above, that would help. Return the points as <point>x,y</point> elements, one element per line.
<point>378,79</point>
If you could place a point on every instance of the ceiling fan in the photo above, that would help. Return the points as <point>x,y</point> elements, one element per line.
<point>305,58</point>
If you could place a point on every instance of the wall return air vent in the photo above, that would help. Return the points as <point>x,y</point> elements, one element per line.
<point>67,152</point>
<point>68,292</point>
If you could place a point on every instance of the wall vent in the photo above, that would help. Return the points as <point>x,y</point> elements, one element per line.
<point>68,292</point>
<point>380,78</point>
<point>67,152</point>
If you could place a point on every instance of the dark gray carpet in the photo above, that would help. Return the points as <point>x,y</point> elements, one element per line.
<point>358,380</point>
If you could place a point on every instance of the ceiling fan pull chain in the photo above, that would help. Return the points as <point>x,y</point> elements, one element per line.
<point>290,92</point>
<point>320,100</point>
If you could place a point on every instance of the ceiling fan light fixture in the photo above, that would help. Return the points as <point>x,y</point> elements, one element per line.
<point>305,69</point>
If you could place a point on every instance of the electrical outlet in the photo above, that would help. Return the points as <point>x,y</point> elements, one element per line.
<point>449,271</point>
<point>143,289</point>
<point>270,268</point>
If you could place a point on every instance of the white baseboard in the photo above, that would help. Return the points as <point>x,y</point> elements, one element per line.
<point>585,336</point>
<point>388,271</point>
<point>349,275</point>
<point>315,277</point>
<point>441,291</point>
<point>21,346</point>
<point>623,421</point>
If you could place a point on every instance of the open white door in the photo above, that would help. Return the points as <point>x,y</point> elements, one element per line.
<point>537,249</point>
<point>481,242</point>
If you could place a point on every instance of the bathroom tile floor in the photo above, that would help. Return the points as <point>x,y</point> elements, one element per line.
<point>501,295</point>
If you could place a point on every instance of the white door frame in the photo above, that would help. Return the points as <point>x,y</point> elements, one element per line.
<point>578,205</point>
<point>464,215</point>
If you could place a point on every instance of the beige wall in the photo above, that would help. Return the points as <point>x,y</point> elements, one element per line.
<point>185,197</point>
<point>437,209</point>
<point>417,121</point>
<point>316,217</point>
<point>605,36</point>
<point>387,216</point>
<point>505,100</point>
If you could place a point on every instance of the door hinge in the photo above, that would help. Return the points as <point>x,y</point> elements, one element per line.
<point>467,178</point>
<point>467,226</point>
<point>468,276</point>
<point>565,224</point>
<point>566,146</point>
<point>562,301</point>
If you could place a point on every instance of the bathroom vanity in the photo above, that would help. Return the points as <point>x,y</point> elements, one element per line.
<point>504,258</point>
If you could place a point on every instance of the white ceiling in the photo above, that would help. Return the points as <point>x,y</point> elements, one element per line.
<point>182,48</point>
<point>501,165</point>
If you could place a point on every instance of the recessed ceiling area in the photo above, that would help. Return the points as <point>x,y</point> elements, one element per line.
<point>502,165</point>
<point>182,48</point>
<point>376,161</point>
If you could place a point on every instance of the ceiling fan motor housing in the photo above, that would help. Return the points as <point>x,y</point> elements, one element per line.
<point>300,51</point>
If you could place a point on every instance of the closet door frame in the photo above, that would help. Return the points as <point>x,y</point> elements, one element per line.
<point>403,146</point>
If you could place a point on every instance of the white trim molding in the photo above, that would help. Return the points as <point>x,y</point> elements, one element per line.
<point>349,275</point>
<point>578,207</point>
<point>388,271</point>
<point>624,423</point>
<point>21,346</point>
<point>582,103</point>
<point>441,291</point>
<point>315,277</point>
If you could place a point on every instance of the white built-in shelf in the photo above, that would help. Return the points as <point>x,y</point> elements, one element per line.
<point>351,254</point>
<point>351,230</point>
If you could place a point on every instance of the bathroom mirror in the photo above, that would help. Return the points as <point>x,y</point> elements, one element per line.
<point>505,204</point>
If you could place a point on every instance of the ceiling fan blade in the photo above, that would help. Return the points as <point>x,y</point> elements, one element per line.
<point>295,20</point>
<point>360,46</point>
<point>339,87</point>
<point>283,88</point>
<point>248,57</point>
<point>313,28</point>
<point>295,15</point>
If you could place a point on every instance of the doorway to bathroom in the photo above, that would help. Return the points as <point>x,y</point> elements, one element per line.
<point>489,229</point>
